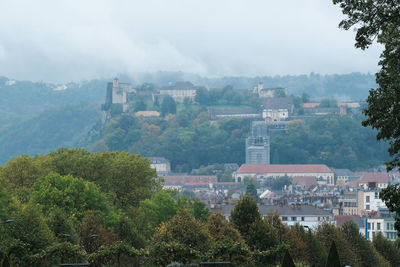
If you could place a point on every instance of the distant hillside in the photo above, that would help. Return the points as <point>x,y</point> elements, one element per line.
<point>23,99</point>
<point>67,126</point>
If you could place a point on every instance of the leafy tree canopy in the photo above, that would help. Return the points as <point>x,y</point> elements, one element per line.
<point>73,195</point>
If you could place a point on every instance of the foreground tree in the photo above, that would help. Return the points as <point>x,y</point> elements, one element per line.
<point>73,196</point>
<point>380,20</point>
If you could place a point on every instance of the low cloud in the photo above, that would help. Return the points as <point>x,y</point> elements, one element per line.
<point>75,40</point>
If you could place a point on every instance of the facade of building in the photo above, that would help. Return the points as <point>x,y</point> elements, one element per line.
<point>268,92</point>
<point>353,202</point>
<point>374,180</point>
<point>305,215</point>
<point>257,144</point>
<point>382,221</point>
<point>180,91</point>
<point>321,172</point>
<point>277,109</point>
<point>161,165</point>
<point>361,202</point>
<point>117,93</point>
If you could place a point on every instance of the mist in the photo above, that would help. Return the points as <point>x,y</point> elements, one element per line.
<point>61,41</point>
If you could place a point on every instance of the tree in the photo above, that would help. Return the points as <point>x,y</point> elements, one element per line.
<point>391,196</point>
<point>333,257</point>
<point>140,105</point>
<point>168,106</point>
<point>73,195</point>
<point>287,260</point>
<point>227,245</point>
<point>252,191</point>
<point>387,249</point>
<point>244,214</point>
<point>180,239</point>
<point>380,20</point>
<point>359,244</point>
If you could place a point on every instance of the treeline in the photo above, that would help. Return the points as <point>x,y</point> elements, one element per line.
<point>72,206</point>
<point>352,86</point>
<point>190,140</point>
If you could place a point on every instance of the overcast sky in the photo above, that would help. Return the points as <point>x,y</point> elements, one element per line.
<point>54,40</point>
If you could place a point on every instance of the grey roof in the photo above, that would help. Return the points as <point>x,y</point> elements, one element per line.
<point>286,210</point>
<point>155,160</point>
<point>180,86</point>
<point>232,111</point>
<point>343,172</point>
<point>279,103</point>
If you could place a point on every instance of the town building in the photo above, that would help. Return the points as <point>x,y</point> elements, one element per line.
<point>161,165</point>
<point>269,92</point>
<point>321,172</point>
<point>117,93</point>
<point>180,91</point>
<point>305,215</point>
<point>257,144</point>
<point>234,113</point>
<point>382,221</point>
<point>277,109</point>
<point>374,180</point>
<point>362,202</point>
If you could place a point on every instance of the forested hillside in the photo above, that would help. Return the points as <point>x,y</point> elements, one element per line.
<point>189,140</point>
<point>36,117</point>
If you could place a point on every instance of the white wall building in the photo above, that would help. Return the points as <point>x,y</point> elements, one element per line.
<point>321,172</point>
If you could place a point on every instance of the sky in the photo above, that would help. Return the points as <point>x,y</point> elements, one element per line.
<point>72,40</point>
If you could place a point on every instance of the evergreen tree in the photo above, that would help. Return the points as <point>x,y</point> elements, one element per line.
<point>333,257</point>
<point>168,106</point>
<point>287,260</point>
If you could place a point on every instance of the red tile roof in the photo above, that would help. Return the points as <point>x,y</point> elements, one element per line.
<point>353,184</point>
<point>283,168</point>
<point>307,181</point>
<point>341,219</point>
<point>378,177</point>
<point>310,105</point>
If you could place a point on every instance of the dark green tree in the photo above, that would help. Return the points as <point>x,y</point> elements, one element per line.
<point>168,106</point>
<point>391,197</point>
<point>287,260</point>
<point>244,214</point>
<point>252,191</point>
<point>359,244</point>
<point>140,105</point>
<point>387,249</point>
<point>333,257</point>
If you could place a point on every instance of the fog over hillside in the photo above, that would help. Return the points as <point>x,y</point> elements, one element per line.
<point>74,40</point>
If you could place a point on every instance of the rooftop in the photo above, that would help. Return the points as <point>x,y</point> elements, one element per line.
<point>378,177</point>
<point>283,168</point>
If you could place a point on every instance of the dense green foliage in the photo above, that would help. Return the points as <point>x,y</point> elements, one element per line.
<point>190,140</point>
<point>70,214</point>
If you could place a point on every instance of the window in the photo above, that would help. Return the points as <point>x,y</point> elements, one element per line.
<point>376,195</point>
<point>367,199</point>
<point>302,218</point>
<point>387,226</point>
<point>378,226</point>
<point>367,207</point>
<point>294,219</point>
<point>373,228</point>
<point>369,226</point>
<point>373,234</point>
<point>284,218</point>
